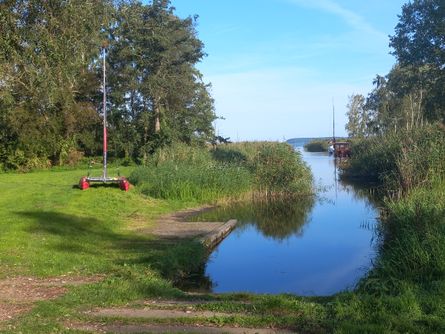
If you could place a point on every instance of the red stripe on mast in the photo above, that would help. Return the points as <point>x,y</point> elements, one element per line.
<point>105,140</point>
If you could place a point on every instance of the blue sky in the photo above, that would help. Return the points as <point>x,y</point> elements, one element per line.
<point>276,65</point>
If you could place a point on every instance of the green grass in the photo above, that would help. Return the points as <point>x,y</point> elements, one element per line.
<point>49,228</point>
<point>58,239</point>
<point>191,182</point>
<point>405,292</point>
<point>187,174</point>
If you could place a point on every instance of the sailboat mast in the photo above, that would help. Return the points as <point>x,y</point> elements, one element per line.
<point>333,121</point>
<point>105,115</point>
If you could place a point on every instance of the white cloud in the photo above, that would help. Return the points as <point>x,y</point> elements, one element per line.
<point>282,86</point>
<point>278,103</point>
<point>351,18</point>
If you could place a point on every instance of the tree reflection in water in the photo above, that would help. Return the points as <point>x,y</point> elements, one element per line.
<point>278,218</point>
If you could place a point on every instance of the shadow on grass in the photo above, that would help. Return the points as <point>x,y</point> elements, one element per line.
<point>98,185</point>
<point>61,224</point>
<point>69,236</point>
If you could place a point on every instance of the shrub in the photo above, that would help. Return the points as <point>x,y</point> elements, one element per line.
<point>279,170</point>
<point>372,158</point>
<point>180,152</point>
<point>243,152</point>
<point>317,146</point>
<point>74,157</point>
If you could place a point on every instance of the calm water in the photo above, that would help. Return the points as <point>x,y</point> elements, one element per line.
<point>315,246</point>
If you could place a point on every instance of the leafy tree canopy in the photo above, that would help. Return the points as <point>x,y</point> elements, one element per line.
<point>51,71</point>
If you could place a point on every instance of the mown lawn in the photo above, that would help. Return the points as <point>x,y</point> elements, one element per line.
<point>49,227</point>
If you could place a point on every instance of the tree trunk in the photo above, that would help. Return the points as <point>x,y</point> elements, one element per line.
<point>157,114</point>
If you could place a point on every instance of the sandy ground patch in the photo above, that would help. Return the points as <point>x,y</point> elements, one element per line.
<point>17,294</point>
<point>176,226</point>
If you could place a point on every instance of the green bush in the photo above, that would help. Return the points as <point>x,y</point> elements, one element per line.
<point>317,146</point>
<point>180,152</point>
<point>421,158</point>
<point>279,170</point>
<point>373,158</point>
<point>276,167</point>
<point>20,162</point>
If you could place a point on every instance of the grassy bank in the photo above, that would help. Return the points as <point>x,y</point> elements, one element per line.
<point>49,228</point>
<point>399,161</point>
<point>404,293</point>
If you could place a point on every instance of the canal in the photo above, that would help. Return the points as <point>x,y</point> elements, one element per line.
<point>311,247</point>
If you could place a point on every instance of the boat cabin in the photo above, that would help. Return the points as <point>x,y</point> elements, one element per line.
<point>342,149</point>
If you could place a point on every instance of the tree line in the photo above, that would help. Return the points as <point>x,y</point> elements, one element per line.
<point>412,94</point>
<point>50,80</point>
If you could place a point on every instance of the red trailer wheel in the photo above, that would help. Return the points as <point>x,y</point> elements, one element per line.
<point>124,184</point>
<point>83,183</point>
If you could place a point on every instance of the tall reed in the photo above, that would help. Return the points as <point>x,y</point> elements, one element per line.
<point>201,174</point>
<point>399,161</point>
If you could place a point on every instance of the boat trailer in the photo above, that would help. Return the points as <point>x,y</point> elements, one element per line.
<point>86,181</point>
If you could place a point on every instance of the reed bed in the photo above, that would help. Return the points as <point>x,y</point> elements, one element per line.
<point>184,173</point>
<point>405,290</point>
<point>317,145</point>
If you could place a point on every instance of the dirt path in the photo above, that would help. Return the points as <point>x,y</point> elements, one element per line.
<point>176,226</point>
<point>17,294</point>
<point>165,317</point>
<point>162,329</point>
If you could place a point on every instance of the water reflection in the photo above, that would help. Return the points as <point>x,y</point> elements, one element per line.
<point>278,219</point>
<point>313,246</point>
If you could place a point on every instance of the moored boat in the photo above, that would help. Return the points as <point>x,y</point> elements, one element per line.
<point>342,149</point>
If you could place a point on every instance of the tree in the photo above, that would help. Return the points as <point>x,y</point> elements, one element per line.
<point>45,58</point>
<point>50,79</point>
<point>419,35</point>
<point>419,42</point>
<point>379,107</point>
<point>357,116</point>
<point>409,86</point>
<point>156,87</point>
